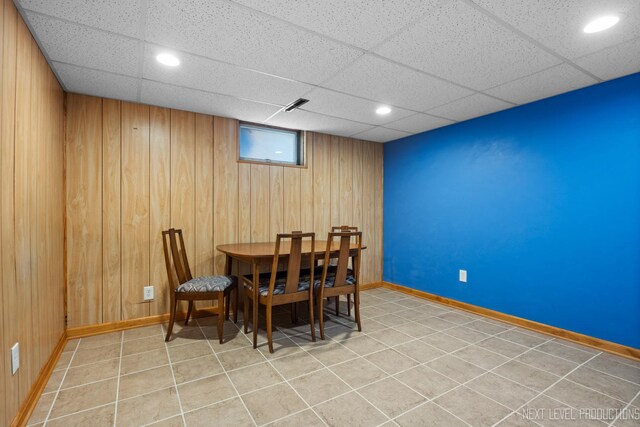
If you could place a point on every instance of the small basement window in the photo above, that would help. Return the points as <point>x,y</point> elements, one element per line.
<point>267,144</point>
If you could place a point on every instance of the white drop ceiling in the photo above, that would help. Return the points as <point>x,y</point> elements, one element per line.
<point>435,62</point>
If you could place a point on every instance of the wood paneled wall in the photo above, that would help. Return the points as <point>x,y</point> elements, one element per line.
<point>31,209</point>
<point>133,170</point>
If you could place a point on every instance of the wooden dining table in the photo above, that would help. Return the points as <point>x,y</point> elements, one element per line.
<point>260,254</point>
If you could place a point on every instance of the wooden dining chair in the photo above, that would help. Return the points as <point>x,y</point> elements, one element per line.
<point>278,288</point>
<point>193,289</point>
<point>340,280</point>
<point>337,299</point>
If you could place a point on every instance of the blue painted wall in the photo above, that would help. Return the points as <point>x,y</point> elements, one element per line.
<point>540,203</point>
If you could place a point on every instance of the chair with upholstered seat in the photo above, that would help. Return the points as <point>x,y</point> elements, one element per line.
<point>339,279</point>
<point>195,289</point>
<point>278,288</point>
<point>350,271</point>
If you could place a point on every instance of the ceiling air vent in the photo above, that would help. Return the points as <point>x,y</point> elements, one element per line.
<point>296,104</point>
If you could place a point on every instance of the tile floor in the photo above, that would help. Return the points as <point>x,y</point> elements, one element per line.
<point>416,363</point>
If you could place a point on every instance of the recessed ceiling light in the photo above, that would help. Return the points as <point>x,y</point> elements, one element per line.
<point>168,59</point>
<point>383,110</point>
<point>601,24</point>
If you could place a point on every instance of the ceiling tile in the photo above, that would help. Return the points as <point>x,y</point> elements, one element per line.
<point>306,120</point>
<point>349,107</point>
<point>615,61</point>
<point>97,83</point>
<point>470,107</point>
<point>118,16</point>
<point>204,102</point>
<point>205,74</point>
<point>558,24</point>
<point>231,33</point>
<point>362,23</point>
<point>461,44</point>
<point>556,80</point>
<point>418,123</point>
<point>80,45</point>
<point>380,134</point>
<point>376,78</point>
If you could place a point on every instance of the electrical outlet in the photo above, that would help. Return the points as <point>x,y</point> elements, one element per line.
<point>148,293</point>
<point>463,276</point>
<point>15,358</point>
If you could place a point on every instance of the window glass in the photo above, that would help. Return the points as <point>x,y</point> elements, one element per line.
<point>267,144</point>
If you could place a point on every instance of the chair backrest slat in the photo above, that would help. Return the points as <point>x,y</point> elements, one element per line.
<point>177,257</point>
<point>185,260</point>
<point>344,250</point>
<point>167,257</point>
<point>295,261</point>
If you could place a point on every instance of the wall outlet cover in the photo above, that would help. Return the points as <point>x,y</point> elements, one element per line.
<point>463,276</point>
<point>15,358</point>
<point>148,293</point>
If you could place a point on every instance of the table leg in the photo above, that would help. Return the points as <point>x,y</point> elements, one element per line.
<point>256,284</point>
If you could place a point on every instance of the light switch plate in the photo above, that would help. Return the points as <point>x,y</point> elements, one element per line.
<point>148,293</point>
<point>463,276</point>
<point>15,358</point>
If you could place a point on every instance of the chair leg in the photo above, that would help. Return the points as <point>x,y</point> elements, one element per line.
<point>227,305</point>
<point>255,307</point>
<point>245,309</point>
<point>349,305</point>
<point>220,316</point>
<point>337,300</point>
<point>269,336</point>
<point>172,316</point>
<point>356,306</point>
<point>237,303</point>
<point>186,321</point>
<point>321,318</point>
<point>311,319</point>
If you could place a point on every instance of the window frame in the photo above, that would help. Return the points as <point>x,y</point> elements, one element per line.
<point>301,141</point>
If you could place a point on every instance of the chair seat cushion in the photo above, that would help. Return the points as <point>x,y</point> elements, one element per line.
<point>206,284</point>
<point>281,282</point>
<point>331,279</point>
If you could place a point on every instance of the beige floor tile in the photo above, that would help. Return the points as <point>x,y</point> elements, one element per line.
<point>391,396</point>
<point>233,342</point>
<point>390,337</point>
<point>100,340</point>
<point>90,373</point>
<point>481,357</point>
<point>145,382</point>
<point>415,329</point>
<point>231,413</point>
<point>305,418</point>
<point>84,397</point>
<point>71,345</point>
<point>604,383</point>
<point>577,355</point>
<point>517,420</point>
<point>436,323</point>
<point>547,362</point>
<point>254,377</point>
<point>506,392</point>
<point>472,407</point>
<point>429,415</point>
<point>426,381</point>
<point>142,361</point>
<point>143,332</point>
<point>205,391</point>
<point>371,325</point>
<point>549,412</point>
<point>332,353</point>
<point>521,338</point>
<point>319,386</point>
<point>616,366</point>
<point>187,335</point>
<point>142,345</point>
<point>148,408</point>
<point>581,397</point>
<point>419,351</point>
<point>42,408</point>
<point>455,368</point>
<point>358,372</point>
<point>411,302</point>
<point>391,319</point>
<point>504,347</point>
<point>391,361</point>
<point>189,351</point>
<point>99,417</point>
<point>456,317</point>
<point>55,379</point>
<point>175,421</point>
<point>282,347</point>
<point>349,410</point>
<point>275,402</point>
<point>64,360</point>
<point>240,358</point>
<point>229,331</point>
<point>342,332</point>
<point>194,369</point>
<point>486,327</point>
<point>98,354</point>
<point>444,342</point>
<point>466,334</point>
<point>363,345</point>
<point>526,375</point>
<point>295,365</point>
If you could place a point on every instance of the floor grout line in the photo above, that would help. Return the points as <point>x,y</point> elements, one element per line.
<point>175,386</point>
<point>115,414</point>
<point>60,385</point>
